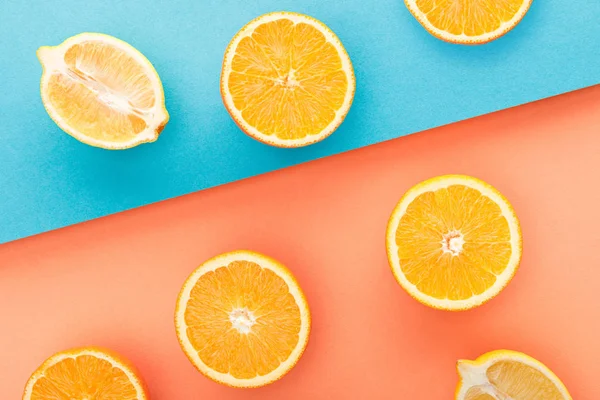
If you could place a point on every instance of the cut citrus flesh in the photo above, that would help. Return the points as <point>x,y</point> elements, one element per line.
<point>242,319</point>
<point>508,375</point>
<point>102,91</point>
<point>87,373</point>
<point>468,21</point>
<point>453,242</point>
<point>287,80</point>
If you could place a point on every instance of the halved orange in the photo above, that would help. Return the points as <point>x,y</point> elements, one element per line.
<point>453,242</point>
<point>507,374</point>
<point>468,21</point>
<point>242,319</point>
<point>102,91</point>
<point>287,80</point>
<point>87,373</point>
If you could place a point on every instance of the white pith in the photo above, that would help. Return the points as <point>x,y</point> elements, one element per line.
<point>452,242</point>
<point>84,352</point>
<point>346,67</point>
<point>295,291</point>
<point>53,62</point>
<point>434,185</point>
<point>467,39</point>
<point>242,320</point>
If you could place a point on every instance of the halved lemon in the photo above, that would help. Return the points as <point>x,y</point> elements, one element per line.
<point>287,80</point>
<point>87,373</point>
<point>453,242</point>
<point>468,21</point>
<point>506,374</point>
<point>242,319</point>
<point>102,91</point>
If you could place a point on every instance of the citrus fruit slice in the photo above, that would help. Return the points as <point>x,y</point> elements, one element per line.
<point>242,319</point>
<point>468,21</point>
<point>508,375</point>
<point>453,242</point>
<point>102,91</point>
<point>87,373</point>
<point>287,80</point>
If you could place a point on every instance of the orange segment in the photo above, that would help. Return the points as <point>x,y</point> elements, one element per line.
<point>468,21</point>
<point>453,242</point>
<point>505,374</point>
<point>90,373</point>
<point>102,91</point>
<point>274,40</point>
<point>242,319</point>
<point>287,80</point>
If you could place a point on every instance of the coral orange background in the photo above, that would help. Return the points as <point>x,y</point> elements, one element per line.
<point>113,282</point>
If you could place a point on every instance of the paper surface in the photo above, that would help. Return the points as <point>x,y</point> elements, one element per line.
<point>407,81</point>
<point>113,282</point>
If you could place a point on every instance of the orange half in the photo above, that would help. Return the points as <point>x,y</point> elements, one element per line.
<point>102,91</point>
<point>242,319</point>
<point>287,80</point>
<point>468,21</point>
<point>453,242</point>
<point>87,373</point>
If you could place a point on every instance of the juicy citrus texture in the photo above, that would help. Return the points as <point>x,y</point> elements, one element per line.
<point>451,240</point>
<point>507,374</point>
<point>102,91</point>
<point>426,233</point>
<point>287,80</point>
<point>468,21</point>
<point>212,307</point>
<point>242,319</point>
<point>90,374</point>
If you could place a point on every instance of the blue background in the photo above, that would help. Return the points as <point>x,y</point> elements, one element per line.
<point>407,81</point>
